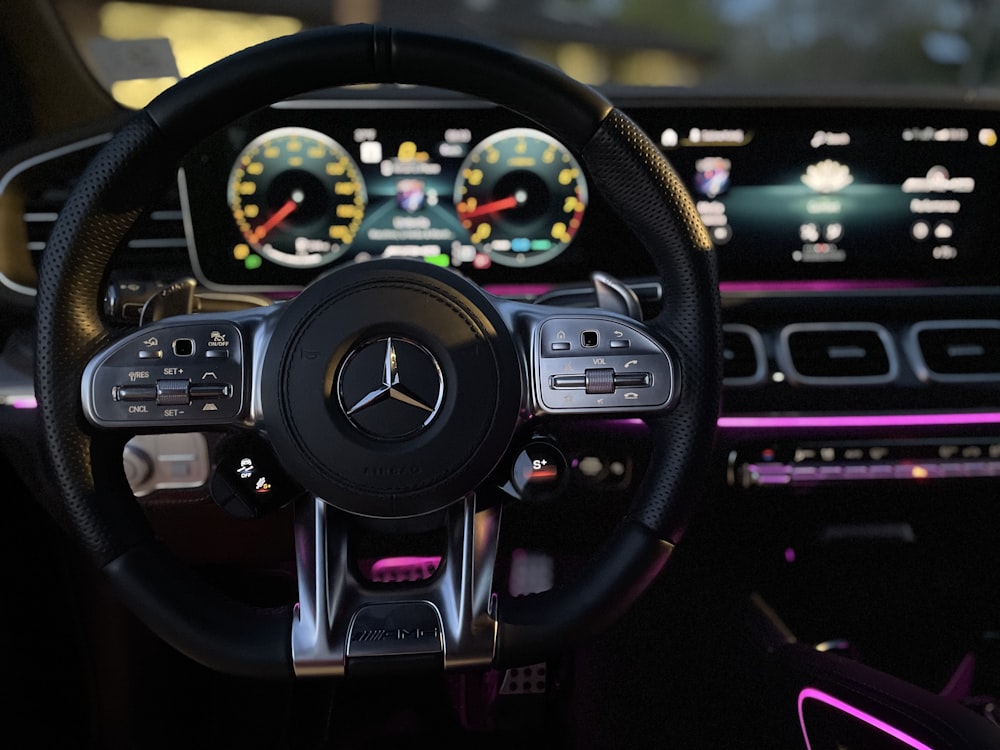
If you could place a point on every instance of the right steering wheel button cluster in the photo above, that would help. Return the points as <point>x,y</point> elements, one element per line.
<point>615,366</point>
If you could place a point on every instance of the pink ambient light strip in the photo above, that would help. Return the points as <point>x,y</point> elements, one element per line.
<point>856,713</point>
<point>828,285</point>
<point>860,420</point>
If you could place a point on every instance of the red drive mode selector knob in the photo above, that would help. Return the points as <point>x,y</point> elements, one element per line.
<point>539,471</point>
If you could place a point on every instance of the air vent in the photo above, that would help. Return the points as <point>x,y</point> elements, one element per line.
<point>954,351</point>
<point>160,233</point>
<point>43,182</point>
<point>837,354</point>
<point>743,360</point>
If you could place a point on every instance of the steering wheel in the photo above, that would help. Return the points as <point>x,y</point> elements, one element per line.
<point>390,389</point>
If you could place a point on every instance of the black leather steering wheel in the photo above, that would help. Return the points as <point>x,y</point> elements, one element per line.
<point>299,374</point>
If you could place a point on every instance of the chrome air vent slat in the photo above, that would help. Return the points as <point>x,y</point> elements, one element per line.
<point>837,354</point>
<point>955,351</point>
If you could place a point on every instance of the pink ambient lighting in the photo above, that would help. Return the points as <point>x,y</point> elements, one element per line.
<point>518,290</point>
<point>23,402</point>
<point>829,285</point>
<point>829,700</point>
<point>404,568</point>
<point>859,420</point>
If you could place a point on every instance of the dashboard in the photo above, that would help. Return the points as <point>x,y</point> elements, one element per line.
<point>859,276</point>
<point>854,236</point>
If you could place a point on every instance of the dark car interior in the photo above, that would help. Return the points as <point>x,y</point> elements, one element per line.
<point>384,384</point>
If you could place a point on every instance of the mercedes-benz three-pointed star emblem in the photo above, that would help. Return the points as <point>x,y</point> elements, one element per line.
<point>410,395</point>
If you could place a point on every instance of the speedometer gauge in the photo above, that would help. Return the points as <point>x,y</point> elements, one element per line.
<point>297,197</point>
<point>521,195</point>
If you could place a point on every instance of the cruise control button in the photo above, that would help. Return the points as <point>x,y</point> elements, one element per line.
<point>134,393</point>
<point>173,392</point>
<point>150,354</point>
<point>210,390</point>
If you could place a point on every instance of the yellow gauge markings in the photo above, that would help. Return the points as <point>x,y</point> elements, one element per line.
<point>482,233</point>
<point>473,177</point>
<point>568,176</point>
<point>336,168</point>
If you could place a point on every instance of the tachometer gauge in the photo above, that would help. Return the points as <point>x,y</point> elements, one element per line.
<point>521,195</point>
<point>297,197</point>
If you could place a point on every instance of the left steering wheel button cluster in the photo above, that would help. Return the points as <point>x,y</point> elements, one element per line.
<point>198,382</point>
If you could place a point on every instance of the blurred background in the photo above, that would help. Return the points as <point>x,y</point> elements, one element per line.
<point>138,49</point>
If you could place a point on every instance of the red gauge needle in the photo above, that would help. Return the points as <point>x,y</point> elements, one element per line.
<point>276,218</point>
<point>492,207</point>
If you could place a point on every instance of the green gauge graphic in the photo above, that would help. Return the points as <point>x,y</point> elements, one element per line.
<point>297,197</point>
<point>521,195</point>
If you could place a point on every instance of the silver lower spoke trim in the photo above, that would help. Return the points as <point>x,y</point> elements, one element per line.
<point>342,621</point>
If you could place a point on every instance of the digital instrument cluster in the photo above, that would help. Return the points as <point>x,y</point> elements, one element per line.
<point>273,208</point>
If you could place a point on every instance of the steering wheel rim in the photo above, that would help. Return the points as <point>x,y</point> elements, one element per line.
<point>96,504</point>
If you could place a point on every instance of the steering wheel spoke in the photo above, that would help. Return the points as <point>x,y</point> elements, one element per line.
<point>349,622</point>
<point>179,374</point>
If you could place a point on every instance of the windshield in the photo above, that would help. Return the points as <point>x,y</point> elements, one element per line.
<point>138,49</point>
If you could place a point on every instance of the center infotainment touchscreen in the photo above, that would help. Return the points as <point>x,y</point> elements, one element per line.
<point>812,194</point>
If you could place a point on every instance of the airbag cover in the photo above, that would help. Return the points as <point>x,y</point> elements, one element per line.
<point>387,388</point>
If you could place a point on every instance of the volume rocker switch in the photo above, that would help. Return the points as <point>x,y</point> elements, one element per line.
<point>600,380</point>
